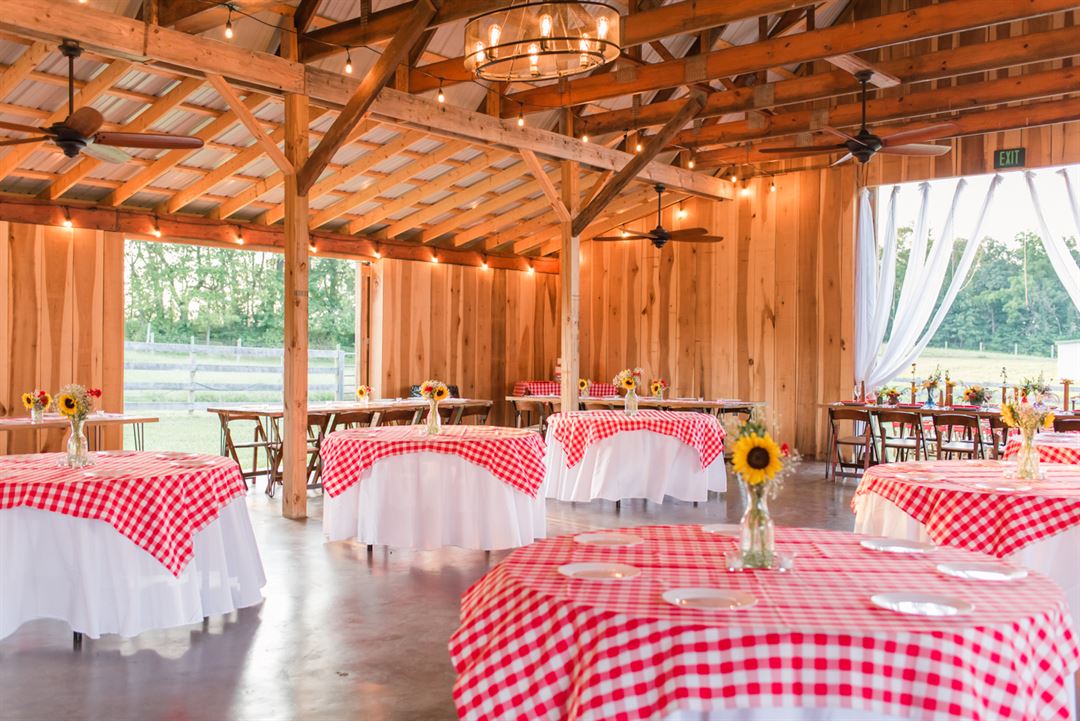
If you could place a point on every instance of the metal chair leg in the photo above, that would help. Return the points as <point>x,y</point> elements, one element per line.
<point>76,641</point>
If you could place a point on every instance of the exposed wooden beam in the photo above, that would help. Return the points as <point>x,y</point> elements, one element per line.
<point>374,81</point>
<point>1032,48</point>
<point>22,67</point>
<point>622,178</point>
<point>916,24</point>
<point>138,223</point>
<point>249,121</point>
<point>570,274</point>
<point>542,179</point>
<point>305,13</point>
<point>198,16</point>
<point>854,64</point>
<point>971,123</point>
<point>1031,86</point>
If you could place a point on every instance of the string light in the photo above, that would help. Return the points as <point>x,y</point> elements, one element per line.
<point>66,222</point>
<point>745,191</point>
<point>434,258</point>
<point>623,233</point>
<point>690,162</point>
<point>377,255</point>
<point>681,212</point>
<point>228,24</point>
<point>772,186</point>
<point>585,138</point>
<point>483,264</point>
<point>530,268</point>
<point>734,178</point>
<point>239,235</point>
<point>441,97</point>
<point>348,61</point>
<point>521,118</point>
<point>637,147</point>
<point>156,231</point>
<point>312,248</point>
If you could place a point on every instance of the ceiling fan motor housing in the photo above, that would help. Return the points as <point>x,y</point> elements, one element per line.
<point>68,140</point>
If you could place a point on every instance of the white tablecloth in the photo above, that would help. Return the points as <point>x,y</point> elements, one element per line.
<point>1057,556</point>
<point>632,464</point>
<point>430,500</point>
<point>82,571</point>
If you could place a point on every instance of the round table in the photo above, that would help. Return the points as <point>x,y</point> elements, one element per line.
<point>974,505</point>
<point>534,644</point>
<point>137,541</point>
<point>1052,447</point>
<point>474,487</point>
<point>653,454</point>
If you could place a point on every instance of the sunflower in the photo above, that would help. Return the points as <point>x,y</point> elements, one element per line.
<point>361,392</point>
<point>756,458</point>
<point>67,405</point>
<point>628,383</point>
<point>1048,422</point>
<point>440,393</point>
<point>1008,416</point>
<point>583,384</point>
<point>28,401</point>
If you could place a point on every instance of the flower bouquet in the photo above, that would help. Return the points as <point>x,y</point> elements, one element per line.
<point>761,466</point>
<point>658,387</point>
<point>1037,390</point>
<point>930,385</point>
<point>888,396</point>
<point>1029,418</point>
<point>628,379</point>
<point>37,402</point>
<point>583,386</point>
<point>977,395</point>
<point>75,402</point>
<point>433,392</point>
<point>363,394</point>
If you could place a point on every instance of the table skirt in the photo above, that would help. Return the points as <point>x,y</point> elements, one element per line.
<point>431,500</point>
<point>633,464</point>
<point>1054,557</point>
<point>82,571</point>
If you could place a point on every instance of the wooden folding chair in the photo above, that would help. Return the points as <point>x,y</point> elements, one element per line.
<point>398,417</point>
<point>260,442</point>
<point>476,410</point>
<point>957,434</point>
<point>1066,425</point>
<point>861,441</point>
<point>351,419</point>
<point>907,435</point>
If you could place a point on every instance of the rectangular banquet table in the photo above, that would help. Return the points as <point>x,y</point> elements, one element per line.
<point>536,645</point>
<point>553,388</point>
<point>95,423</point>
<point>653,454</point>
<point>135,542</point>
<point>975,505</point>
<point>473,487</point>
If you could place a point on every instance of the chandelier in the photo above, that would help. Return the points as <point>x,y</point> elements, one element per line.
<point>538,41</point>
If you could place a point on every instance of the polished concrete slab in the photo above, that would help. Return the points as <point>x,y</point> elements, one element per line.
<point>339,636</point>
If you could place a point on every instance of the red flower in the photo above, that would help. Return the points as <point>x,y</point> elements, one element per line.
<point>785,449</point>
<point>94,392</point>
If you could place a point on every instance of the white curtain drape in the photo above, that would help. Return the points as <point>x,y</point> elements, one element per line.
<point>913,320</point>
<point>1060,257</point>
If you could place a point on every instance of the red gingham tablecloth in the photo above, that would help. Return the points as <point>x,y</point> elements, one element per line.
<point>551,388</point>
<point>159,501</point>
<point>514,456</point>
<point>578,430</point>
<point>957,502</point>
<point>536,646</point>
<point>1053,447</point>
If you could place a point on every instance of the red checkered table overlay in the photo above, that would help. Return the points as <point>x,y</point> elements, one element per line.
<point>552,388</point>
<point>157,505</point>
<point>514,456</point>
<point>536,645</point>
<point>1056,448</point>
<point>958,508</point>
<point>578,430</point>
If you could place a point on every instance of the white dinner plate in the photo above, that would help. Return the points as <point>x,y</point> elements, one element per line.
<point>722,529</point>
<point>599,571</point>
<point>709,599</point>
<point>896,545</point>
<point>174,455</point>
<point>913,603</point>
<point>1003,487</point>
<point>608,539</point>
<point>982,571</point>
<point>921,477</point>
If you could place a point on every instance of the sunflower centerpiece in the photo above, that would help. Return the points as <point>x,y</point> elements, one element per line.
<point>363,394</point>
<point>583,387</point>
<point>37,402</point>
<point>1028,417</point>
<point>977,395</point>
<point>434,392</point>
<point>75,402</point>
<point>761,466</point>
<point>658,388</point>
<point>629,379</point>
<point>930,386</point>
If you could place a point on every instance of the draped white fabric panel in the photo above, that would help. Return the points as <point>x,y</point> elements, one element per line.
<point>1060,257</point>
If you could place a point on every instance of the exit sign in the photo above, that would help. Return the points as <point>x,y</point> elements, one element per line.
<point>1009,158</point>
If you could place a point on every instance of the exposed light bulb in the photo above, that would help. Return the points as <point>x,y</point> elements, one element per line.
<point>494,33</point>
<point>602,28</point>
<point>377,255</point>
<point>441,97</point>
<point>624,234</point>
<point>348,62</point>
<point>772,187</point>
<point>638,147</point>
<point>67,223</point>
<point>545,26</point>
<point>531,269</point>
<point>434,259</point>
<point>521,120</point>
<point>744,192</point>
<point>734,178</point>
<point>680,213</point>
<point>585,138</point>
<point>690,164</point>
<point>583,46</point>
<point>479,50</point>
<point>484,265</point>
<point>228,26</point>
<point>534,58</point>
<point>156,232</point>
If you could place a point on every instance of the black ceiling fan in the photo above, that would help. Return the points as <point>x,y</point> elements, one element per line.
<point>864,145</point>
<point>659,236</point>
<point>79,131</point>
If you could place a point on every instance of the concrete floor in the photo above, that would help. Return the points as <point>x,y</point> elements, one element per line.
<point>338,637</point>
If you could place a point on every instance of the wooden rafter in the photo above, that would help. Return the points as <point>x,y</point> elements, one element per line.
<point>548,187</point>
<point>305,13</point>
<point>374,81</point>
<point>249,121</point>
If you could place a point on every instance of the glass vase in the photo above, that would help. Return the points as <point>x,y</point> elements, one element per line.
<point>78,450</point>
<point>757,534</point>
<point>434,421</point>
<point>1027,459</point>
<point>930,402</point>
<point>631,404</point>
<point>659,395</point>
<point>37,414</point>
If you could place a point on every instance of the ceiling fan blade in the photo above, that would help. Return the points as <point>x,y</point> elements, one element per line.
<point>795,150</point>
<point>930,132</point>
<point>23,141</point>
<point>697,239</point>
<point>840,134</point>
<point>842,160</point>
<point>22,128</point>
<point>106,154</point>
<point>915,149</point>
<point>85,122</point>
<point>161,141</point>
<point>687,232</point>
<point>622,237</point>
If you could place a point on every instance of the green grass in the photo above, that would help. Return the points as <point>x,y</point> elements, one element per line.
<point>194,433</point>
<point>969,366</point>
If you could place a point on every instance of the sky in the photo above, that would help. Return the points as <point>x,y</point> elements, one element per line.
<point>1010,213</point>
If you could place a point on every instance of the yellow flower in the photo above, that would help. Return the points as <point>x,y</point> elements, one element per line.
<point>656,387</point>
<point>361,392</point>
<point>756,458</point>
<point>27,401</point>
<point>628,383</point>
<point>67,405</point>
<point>1048,422</point>
<point>583,384</point>
<point>441,392</point>
<point>1007,415</point>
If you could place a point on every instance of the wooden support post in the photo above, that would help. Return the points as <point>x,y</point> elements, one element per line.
<point>294,438</point>
<point>569,281</point>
